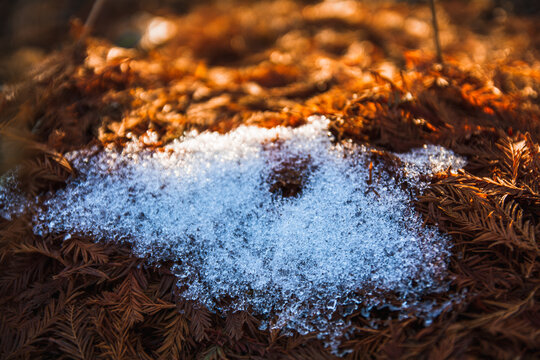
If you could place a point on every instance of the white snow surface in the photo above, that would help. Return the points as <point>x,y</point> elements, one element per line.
<point>204,202</point>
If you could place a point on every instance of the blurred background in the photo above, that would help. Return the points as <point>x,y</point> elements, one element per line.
<point>29,29</point>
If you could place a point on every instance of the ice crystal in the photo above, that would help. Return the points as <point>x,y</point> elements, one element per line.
<point>12,201</point>
<point>428,160</point>
<point>205,203</point>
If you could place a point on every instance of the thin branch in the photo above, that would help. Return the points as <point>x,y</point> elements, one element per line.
<point>90,21</point>
<point>436,31</point>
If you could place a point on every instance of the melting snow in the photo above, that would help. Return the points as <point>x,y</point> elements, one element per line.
<point>204,202</point>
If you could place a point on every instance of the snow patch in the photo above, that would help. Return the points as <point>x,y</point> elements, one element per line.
<point>12,201</point>
<point>205,203</point>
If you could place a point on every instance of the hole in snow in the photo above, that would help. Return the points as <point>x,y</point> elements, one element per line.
<point>340,236</point>
<point>289,172</point>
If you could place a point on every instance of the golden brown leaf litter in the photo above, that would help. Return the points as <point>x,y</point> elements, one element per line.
<point>368,68</point>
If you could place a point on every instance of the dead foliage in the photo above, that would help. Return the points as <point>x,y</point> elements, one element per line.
<point>72,297</point>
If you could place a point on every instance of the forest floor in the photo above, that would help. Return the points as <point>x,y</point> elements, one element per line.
<point>370,70</point>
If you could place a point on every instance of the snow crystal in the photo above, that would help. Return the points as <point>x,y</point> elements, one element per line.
<point>429,160</point>
<point>205,203</point>
<point>12,201</point>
